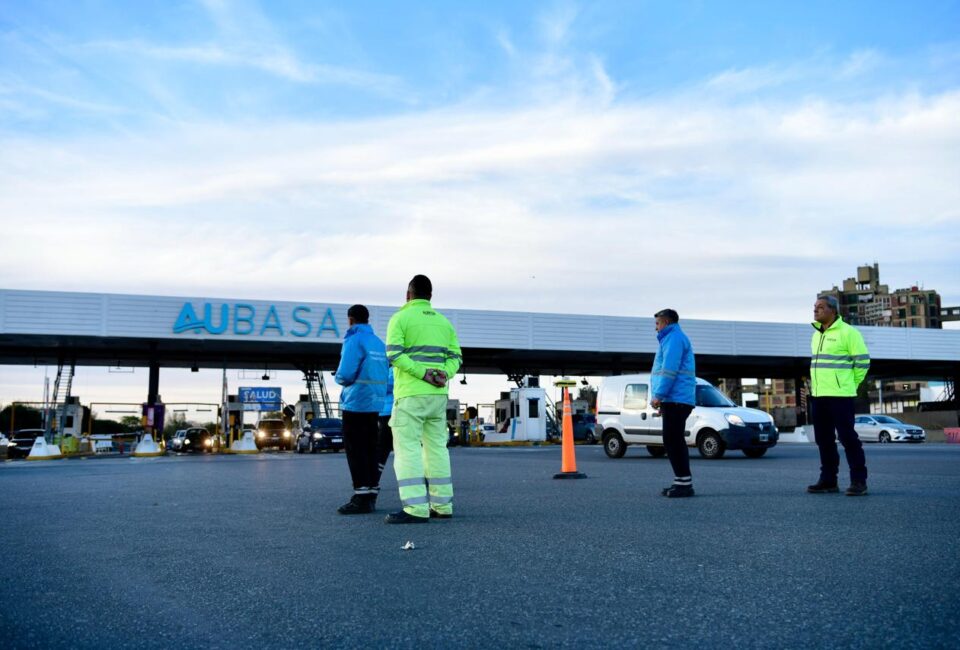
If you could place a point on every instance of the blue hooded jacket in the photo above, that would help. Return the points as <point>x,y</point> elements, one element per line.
<point>674,374</point>
<point>363,370</point>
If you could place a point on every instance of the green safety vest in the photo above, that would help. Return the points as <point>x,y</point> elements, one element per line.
<point>419,338</point>
<point>839,360</point>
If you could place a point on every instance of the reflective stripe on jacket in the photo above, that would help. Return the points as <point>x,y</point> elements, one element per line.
<point>362,371</point>
<point>419,338</point>
<point>674,374</point>
<point>839,360</point>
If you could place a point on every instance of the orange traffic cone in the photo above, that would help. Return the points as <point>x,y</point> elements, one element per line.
<point>569,464</point>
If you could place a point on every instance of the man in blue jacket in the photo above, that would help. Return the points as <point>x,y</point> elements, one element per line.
<point>674,382</point>
<point>363,375</point>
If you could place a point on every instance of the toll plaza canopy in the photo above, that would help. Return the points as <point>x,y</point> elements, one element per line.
<point>48,327</point>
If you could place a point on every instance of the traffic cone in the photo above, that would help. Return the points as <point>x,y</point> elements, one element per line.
<point>147,448</point>
<point>568,468</point>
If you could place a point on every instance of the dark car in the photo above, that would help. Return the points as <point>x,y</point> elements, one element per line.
<point>196,440</point>
<point>326,434</point>
<point>273,432</point>
<point>585,428</point>
<point>21,442</point>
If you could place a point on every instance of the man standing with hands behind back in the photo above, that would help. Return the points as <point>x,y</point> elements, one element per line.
<point>674,384</point>
<point>422,347</point>
<point>839,363</point>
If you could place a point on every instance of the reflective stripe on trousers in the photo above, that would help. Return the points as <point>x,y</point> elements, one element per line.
<point>421,458</point>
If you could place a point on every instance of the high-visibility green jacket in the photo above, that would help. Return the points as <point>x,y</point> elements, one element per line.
<point>420,338</point>
<point>839,360</point>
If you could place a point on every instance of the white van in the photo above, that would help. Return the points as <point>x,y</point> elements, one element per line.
<point>625,417</point>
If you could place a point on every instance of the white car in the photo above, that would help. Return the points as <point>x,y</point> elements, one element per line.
<point>883,428</point>
<point>625,417</point>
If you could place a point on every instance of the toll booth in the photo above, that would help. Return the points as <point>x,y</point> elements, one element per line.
<point>303,413</point>
<point>520,414</point>
<point>72,415</point>
<point>232,425</point>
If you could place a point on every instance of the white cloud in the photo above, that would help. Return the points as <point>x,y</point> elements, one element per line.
<point>601,204</point>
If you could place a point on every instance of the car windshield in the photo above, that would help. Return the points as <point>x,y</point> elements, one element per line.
<point>711,397</point>
<point>271,425</point>
<point>886,419</point>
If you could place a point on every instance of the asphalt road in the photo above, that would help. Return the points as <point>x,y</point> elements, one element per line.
<point>248,552</point>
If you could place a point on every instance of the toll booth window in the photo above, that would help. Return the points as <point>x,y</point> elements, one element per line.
<point>534,408</point>
<point>635,396</point>
<point>68,422</point>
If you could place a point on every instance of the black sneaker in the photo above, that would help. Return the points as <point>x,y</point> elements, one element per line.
<point>822,487</point>
<point>678,491</point>
<point>356,506</point>
<point>857,490</point>
<point>440,515</point>
<point>401,517</point>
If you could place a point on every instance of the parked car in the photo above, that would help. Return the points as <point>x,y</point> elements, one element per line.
<point>883,428</point>
<point>196,439</point>
<point>326,434</point>
<point>273,432</point>
<point>21,442</point>
<point>716,424</point>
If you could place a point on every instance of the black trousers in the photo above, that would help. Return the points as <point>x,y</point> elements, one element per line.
<point>833,418</point>
<point>360,443</point>
<point>384,445</point>
<point>674,423</point>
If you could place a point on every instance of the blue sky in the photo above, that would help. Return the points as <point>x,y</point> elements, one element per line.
<point>729,159</point>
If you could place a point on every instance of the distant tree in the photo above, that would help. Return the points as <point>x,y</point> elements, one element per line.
<point>131,422</point>
<point>24,417</point>
<point>108,426</point>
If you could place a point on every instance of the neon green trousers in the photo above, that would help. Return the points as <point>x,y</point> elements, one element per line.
<point>421,460</point>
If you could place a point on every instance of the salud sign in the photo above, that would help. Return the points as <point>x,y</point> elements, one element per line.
<point>264,398</point>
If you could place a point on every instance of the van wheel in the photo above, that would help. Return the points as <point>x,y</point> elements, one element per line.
<point>755,453</point>
<point>614,445</point>
<point>710,445</point>
<point>656,451</point>
<point>884,436</point>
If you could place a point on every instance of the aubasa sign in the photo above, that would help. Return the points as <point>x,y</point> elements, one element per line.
<point>243,319</point>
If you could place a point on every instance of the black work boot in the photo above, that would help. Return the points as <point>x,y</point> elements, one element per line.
<point>440,515</point>
<point>677,491</point>
<point>357,505</point>
<point>402,517</point>
<point>823,487</point>
<point>857,489</point>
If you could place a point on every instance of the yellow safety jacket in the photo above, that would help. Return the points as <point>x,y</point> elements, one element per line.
<point>839,362</point>
<point>419,338</point>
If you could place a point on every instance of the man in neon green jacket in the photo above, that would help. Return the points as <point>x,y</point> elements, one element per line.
<point>422,346</point>
<point>839,363</point>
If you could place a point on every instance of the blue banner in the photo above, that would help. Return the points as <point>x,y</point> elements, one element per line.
<point>266,398</point>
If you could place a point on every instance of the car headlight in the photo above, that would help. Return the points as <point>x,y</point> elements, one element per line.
<point>208,442</point>
<point>317,436</point>
<point>733,419</point>
<point>286,434</point>
<point>186,442</point>
<point>260,434</point>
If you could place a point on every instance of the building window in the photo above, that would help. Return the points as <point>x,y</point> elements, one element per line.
<point>902,313</point>
<point>913,310</point>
